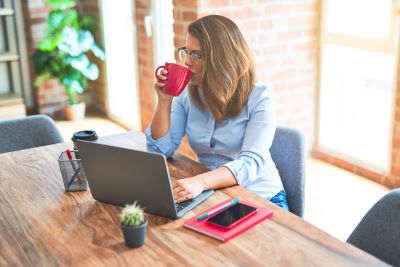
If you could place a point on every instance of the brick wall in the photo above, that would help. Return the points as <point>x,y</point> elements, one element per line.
<point>96,94</point>
<point>145,59</point>
<point>283,36</point>
<point>35,14</point>
<point>185,11</point>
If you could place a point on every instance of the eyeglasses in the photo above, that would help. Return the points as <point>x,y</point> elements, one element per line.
<point>193,55</point>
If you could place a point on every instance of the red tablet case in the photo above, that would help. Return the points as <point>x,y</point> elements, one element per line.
<point>222,234</point>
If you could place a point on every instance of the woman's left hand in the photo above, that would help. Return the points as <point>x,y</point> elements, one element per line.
<point>188,188</point>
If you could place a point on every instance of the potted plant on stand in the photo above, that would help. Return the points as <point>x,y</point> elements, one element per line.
<point>65,53</point>
<point>133,225</point>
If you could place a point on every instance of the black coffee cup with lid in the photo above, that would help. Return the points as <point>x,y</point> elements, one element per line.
<point>86,135</point>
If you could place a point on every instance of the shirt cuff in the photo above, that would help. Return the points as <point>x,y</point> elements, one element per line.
<point>161,145</point>
<point>237,168</point>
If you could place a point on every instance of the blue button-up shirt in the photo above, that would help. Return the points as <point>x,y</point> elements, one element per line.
<point>241,143</point>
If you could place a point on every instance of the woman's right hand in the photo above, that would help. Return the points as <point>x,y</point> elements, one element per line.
<point>159,86</point>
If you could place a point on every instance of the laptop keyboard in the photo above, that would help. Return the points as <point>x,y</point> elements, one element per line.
<point>180,206</point>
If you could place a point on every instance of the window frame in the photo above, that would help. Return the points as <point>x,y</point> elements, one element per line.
<point>385,45</point>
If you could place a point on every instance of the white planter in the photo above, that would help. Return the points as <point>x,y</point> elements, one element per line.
<point>75,112</point>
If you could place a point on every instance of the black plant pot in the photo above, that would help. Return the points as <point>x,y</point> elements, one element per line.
<point>134,236</point>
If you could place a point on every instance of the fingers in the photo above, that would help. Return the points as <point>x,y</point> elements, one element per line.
<point>179,189</point>
<point>187,188</point>
<point>162,75</point>
<point>158,84</point>
<point>181,198</point>
<point>181,193</point>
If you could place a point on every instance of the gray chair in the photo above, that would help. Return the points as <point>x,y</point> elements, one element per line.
<point>288,153</point>
<point>378,233</point>
<point>28,132</point>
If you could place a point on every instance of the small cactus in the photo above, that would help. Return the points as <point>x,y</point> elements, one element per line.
<point>132,215</point>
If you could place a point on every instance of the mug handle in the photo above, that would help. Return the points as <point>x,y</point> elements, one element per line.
<point>155,73</point>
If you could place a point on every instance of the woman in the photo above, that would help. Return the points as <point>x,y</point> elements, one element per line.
<point>228,118</point>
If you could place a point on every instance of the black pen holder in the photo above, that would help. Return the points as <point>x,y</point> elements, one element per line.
<point>72,172</point>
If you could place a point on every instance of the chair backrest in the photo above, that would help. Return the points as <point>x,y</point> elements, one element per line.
<point>288,153</point>
<point>378,233</point>
<point>28,132</point>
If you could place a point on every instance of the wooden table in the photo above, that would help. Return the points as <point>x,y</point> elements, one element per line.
<point>41,225</point>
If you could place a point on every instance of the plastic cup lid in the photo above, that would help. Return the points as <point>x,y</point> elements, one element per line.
<point>87,135</point>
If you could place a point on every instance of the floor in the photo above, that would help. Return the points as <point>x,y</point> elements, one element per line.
<point>336,199</point>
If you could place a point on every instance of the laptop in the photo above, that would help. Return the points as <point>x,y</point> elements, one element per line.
<point>118,176</point>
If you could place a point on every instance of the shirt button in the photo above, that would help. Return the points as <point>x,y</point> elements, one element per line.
<point>212,143</point>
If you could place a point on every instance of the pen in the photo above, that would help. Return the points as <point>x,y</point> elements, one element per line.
<point>207,214</point>
<point>76,170</point>
<point>73,178</point>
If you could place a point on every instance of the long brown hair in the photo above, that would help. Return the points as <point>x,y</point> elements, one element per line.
<point>228,70</point>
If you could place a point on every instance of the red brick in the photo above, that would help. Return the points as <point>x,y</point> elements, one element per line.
<point>305,46</point>
<point>303,21</point>
<point>143,50</point>
<point>395,158</point>
<point>179,41</point>
<point>281,114</point>
<point>283,74</point>
<point>308,7</point>
<point>252,39</point>
<point>398,92</point>
<point>248,2</point>
<point>39,10</point>
<point>141,28</point>
<point>278,9</point>
<point>180,30</point>
<point>214,3</point>
<point>143,40</point>
<point>396,128</point>
<point>141,5</point>
<point>289,35</point>
<point>275,49</point>
<point>187,3</point>
<point>280,87</point>
<point>249,26</point>
<point>265,24</point>
<point>177,14</point>
<point>395,170</point>
<point>189,15</point>
<point>312,32</point>
<point>396,144</point>
<point>268,63</point>
<point>302,84</point>
<point>313,56</point>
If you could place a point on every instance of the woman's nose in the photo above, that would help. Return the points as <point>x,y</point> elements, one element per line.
<point>188,63</point>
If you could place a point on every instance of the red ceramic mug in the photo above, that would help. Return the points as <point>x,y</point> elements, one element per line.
<point>178,78</point>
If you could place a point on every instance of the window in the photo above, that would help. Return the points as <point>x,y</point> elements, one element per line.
<point>121,61</point>
<point>358,66</point>
<point>163,38</point>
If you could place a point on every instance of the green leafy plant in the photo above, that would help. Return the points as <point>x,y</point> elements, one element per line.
<point>63,52</point>
<point>132,215</point>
